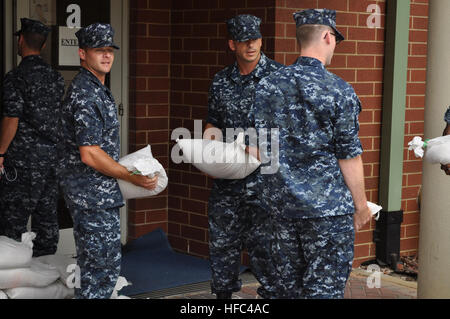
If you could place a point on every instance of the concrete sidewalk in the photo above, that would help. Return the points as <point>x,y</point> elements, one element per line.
<point>357,288</point>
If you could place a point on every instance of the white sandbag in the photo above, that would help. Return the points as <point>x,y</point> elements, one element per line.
<point>14,254</point>
<point>436,150</point>
<point>121,282</point>
<point>60,262</point>
<point>56,290</point>
<point>37,275</point>
<point>218,159</point>
<point>3,296</point>
<point>142,162</point>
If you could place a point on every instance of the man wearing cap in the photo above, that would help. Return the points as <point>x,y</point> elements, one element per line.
<point>32,95</point>
<point>236,220</point>
<point>89,168</point>
<point>446,168</point>
<point>317,194</point>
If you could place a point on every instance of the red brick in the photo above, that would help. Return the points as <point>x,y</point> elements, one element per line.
<point>197,248</point>
<point>193,233</point>
<point>338,5</point>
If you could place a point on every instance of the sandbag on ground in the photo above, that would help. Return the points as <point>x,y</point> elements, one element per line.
<point>3,296</point>
<point>14,254</point>
<point>60,262</point>
<point>56,290</point>
<point>37,275</point>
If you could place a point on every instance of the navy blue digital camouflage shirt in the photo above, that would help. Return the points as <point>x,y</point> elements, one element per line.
<point>33,92</point>
<point>316,113</point>
<point>89,119</point>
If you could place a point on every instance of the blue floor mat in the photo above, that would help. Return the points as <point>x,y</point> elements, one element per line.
<point>150,264</point>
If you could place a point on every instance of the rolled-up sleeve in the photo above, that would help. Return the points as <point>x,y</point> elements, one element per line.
<point>346,128</point>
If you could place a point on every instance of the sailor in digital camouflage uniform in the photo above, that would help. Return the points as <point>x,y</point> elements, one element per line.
<point>89,167</point>
<point>319,183</point>
<point>235,219</point>
<point>446,168</point>
<point>32,95</point>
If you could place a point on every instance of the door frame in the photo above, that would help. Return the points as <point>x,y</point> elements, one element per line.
<point>120,21</point>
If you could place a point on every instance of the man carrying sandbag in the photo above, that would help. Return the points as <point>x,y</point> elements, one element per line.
<point>32,95</point>
<point>89,167</point>
<point>318,194</point>
<point>446,168</point>
<point>236,219</point>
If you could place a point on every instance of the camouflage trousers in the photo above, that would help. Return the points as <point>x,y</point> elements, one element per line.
<point>313,256</point>
<point>34,192</point>
<point>97,239</point>
<point>236,221</point>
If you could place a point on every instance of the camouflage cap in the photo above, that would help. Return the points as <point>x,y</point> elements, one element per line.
<point>97,35</point>
<point>244,27</point>
<point>33,26</point>
<point>318,16</point>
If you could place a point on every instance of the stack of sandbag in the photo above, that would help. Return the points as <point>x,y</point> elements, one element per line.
<point>218,159</point>
<point>24,277</point>
<point>142,162</point>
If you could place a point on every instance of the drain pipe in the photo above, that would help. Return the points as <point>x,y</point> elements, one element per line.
<point>434,238</point>
<point>387,232</point>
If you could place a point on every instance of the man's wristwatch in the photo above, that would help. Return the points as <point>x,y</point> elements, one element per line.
<point>2,155</point>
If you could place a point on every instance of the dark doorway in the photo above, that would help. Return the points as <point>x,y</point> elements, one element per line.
<point>2,53</point>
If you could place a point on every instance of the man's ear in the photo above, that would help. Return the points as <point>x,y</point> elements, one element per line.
<point>231,45</point>
<point>82,54</point>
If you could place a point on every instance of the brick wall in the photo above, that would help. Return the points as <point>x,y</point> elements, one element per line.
<point>177,47</point>
<point>149,102</point>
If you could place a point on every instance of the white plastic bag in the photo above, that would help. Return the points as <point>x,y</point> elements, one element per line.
<point>60,262</point>
<point>14,254</point>
<point>121,282</point>
<point>142,162</point>
<point>375,209</point>
<point>37,275</point>
<point>437,150</point>
<point>57,290</point>
<point>218,159</point>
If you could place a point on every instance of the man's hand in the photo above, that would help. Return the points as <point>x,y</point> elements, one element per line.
<point>361,217</point>
<point>144,181</point>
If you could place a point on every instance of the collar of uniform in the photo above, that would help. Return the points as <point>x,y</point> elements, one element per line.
<point>32,58</point>
<point>91,76</point>
<point>236,75</point>
<point>306,60</point>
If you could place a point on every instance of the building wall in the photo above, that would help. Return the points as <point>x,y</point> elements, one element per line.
<point>149,102</point>
<point>177,47</point>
